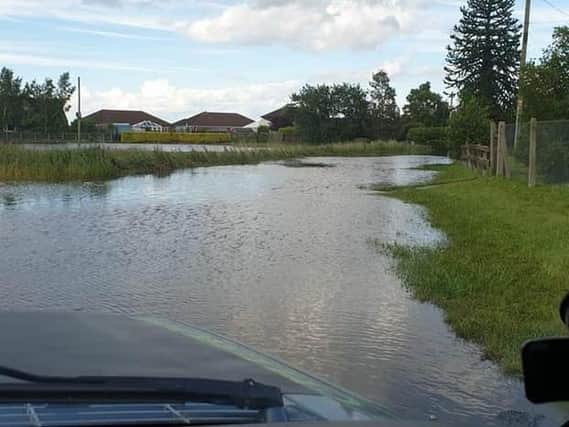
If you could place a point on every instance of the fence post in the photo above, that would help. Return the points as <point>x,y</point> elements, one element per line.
<point>504,152</point>
<point>499,152</point>
<point>532,171</point>
<point>492,147</point>
<point>507,170</point>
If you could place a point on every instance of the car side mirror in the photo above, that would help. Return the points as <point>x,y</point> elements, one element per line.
<point>545,365</point>
<point>546,370</point>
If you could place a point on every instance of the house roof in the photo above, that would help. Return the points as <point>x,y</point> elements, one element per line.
<point>103,117</point>
<point>208,119</point>
<point>281,112</point>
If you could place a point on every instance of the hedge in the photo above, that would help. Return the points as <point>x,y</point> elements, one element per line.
<point>176,137</point>
<point>289,134</point>
<point>435,137</point>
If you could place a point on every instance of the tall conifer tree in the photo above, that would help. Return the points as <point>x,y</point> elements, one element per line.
<point>484,57</point>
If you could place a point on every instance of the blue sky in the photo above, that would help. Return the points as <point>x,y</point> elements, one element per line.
<point>175,58</point>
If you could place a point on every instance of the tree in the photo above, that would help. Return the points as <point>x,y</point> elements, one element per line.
<point>468,124</point>
<point>383,106</point>
<point>484,58</point>
<point>545,84</point>
<point>313,112</point>
<point>351,111</point>
<point>63,94</point>
<point>426,107</point>
<point>10,100</point>
<point>45,104</point>
<point>331,113</point>
<point>35,106</point>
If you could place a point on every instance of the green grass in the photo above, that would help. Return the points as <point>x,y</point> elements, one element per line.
<point>505,268</point>
<point>21,164</point>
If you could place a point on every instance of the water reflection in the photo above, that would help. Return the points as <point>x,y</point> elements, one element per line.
<point>277,257</point>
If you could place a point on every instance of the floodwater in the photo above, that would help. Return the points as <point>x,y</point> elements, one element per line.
<point>281,258</point>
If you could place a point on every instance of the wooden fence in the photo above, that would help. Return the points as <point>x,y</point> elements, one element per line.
<point>493,159</point>
<point>476,156</point>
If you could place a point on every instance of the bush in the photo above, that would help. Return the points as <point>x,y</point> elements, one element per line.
<point>263,133</point>
<point>176,138</point>
<point>435,137</point>
<point>289,134</point>
<point>468,124</point>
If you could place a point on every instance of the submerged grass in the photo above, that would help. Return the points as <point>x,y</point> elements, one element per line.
<point>452,174</point>
<point>505,268</point>
<point>18,163</point>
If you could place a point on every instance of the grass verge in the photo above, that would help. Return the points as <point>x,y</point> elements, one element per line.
<point>506,266</point>
<point>21,164</point>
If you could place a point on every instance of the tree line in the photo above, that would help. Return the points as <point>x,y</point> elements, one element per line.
<point>339,112</point>
<point>38,106</point>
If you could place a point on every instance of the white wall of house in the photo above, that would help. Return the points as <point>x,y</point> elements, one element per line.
<point>146,126</point>
<point>259,123</point>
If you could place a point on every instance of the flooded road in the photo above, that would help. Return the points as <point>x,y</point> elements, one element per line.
<point>280,258</point>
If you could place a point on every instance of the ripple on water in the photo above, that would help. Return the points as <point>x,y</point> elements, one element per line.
<point>276,257</point>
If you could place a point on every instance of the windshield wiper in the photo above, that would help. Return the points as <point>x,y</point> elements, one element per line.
<point>86,389</point>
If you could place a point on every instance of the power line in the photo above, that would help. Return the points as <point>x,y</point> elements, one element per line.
<point>558,9</point>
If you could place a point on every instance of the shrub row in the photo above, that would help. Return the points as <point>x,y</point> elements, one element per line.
<point>176,137</point>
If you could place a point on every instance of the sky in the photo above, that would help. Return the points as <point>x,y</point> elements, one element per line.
<point>176,58</point>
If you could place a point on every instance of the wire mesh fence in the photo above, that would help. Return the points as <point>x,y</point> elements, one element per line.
<point>517,155</point>
<point>551,151</point>
<point>539,154</point>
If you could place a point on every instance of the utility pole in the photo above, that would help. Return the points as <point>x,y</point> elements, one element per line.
<point>523,60</point>
<point>79,109</point>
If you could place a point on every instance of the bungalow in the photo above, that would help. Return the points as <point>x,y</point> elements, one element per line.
<point>283,117</point>
<point>128,121</point>
<point>212,122</point>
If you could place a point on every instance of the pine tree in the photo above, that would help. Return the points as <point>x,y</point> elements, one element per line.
<point>484,58</point>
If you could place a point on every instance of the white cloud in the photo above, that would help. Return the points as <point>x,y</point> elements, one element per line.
<point>316,25</point>
<point>395,67</point>
<point>74,63</point>
<point>305,24</point>
<point>164,99</point>
<point>148,14</point>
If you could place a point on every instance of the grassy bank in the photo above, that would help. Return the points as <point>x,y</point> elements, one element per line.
<point>506,266</point>
<point>18,163</point>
